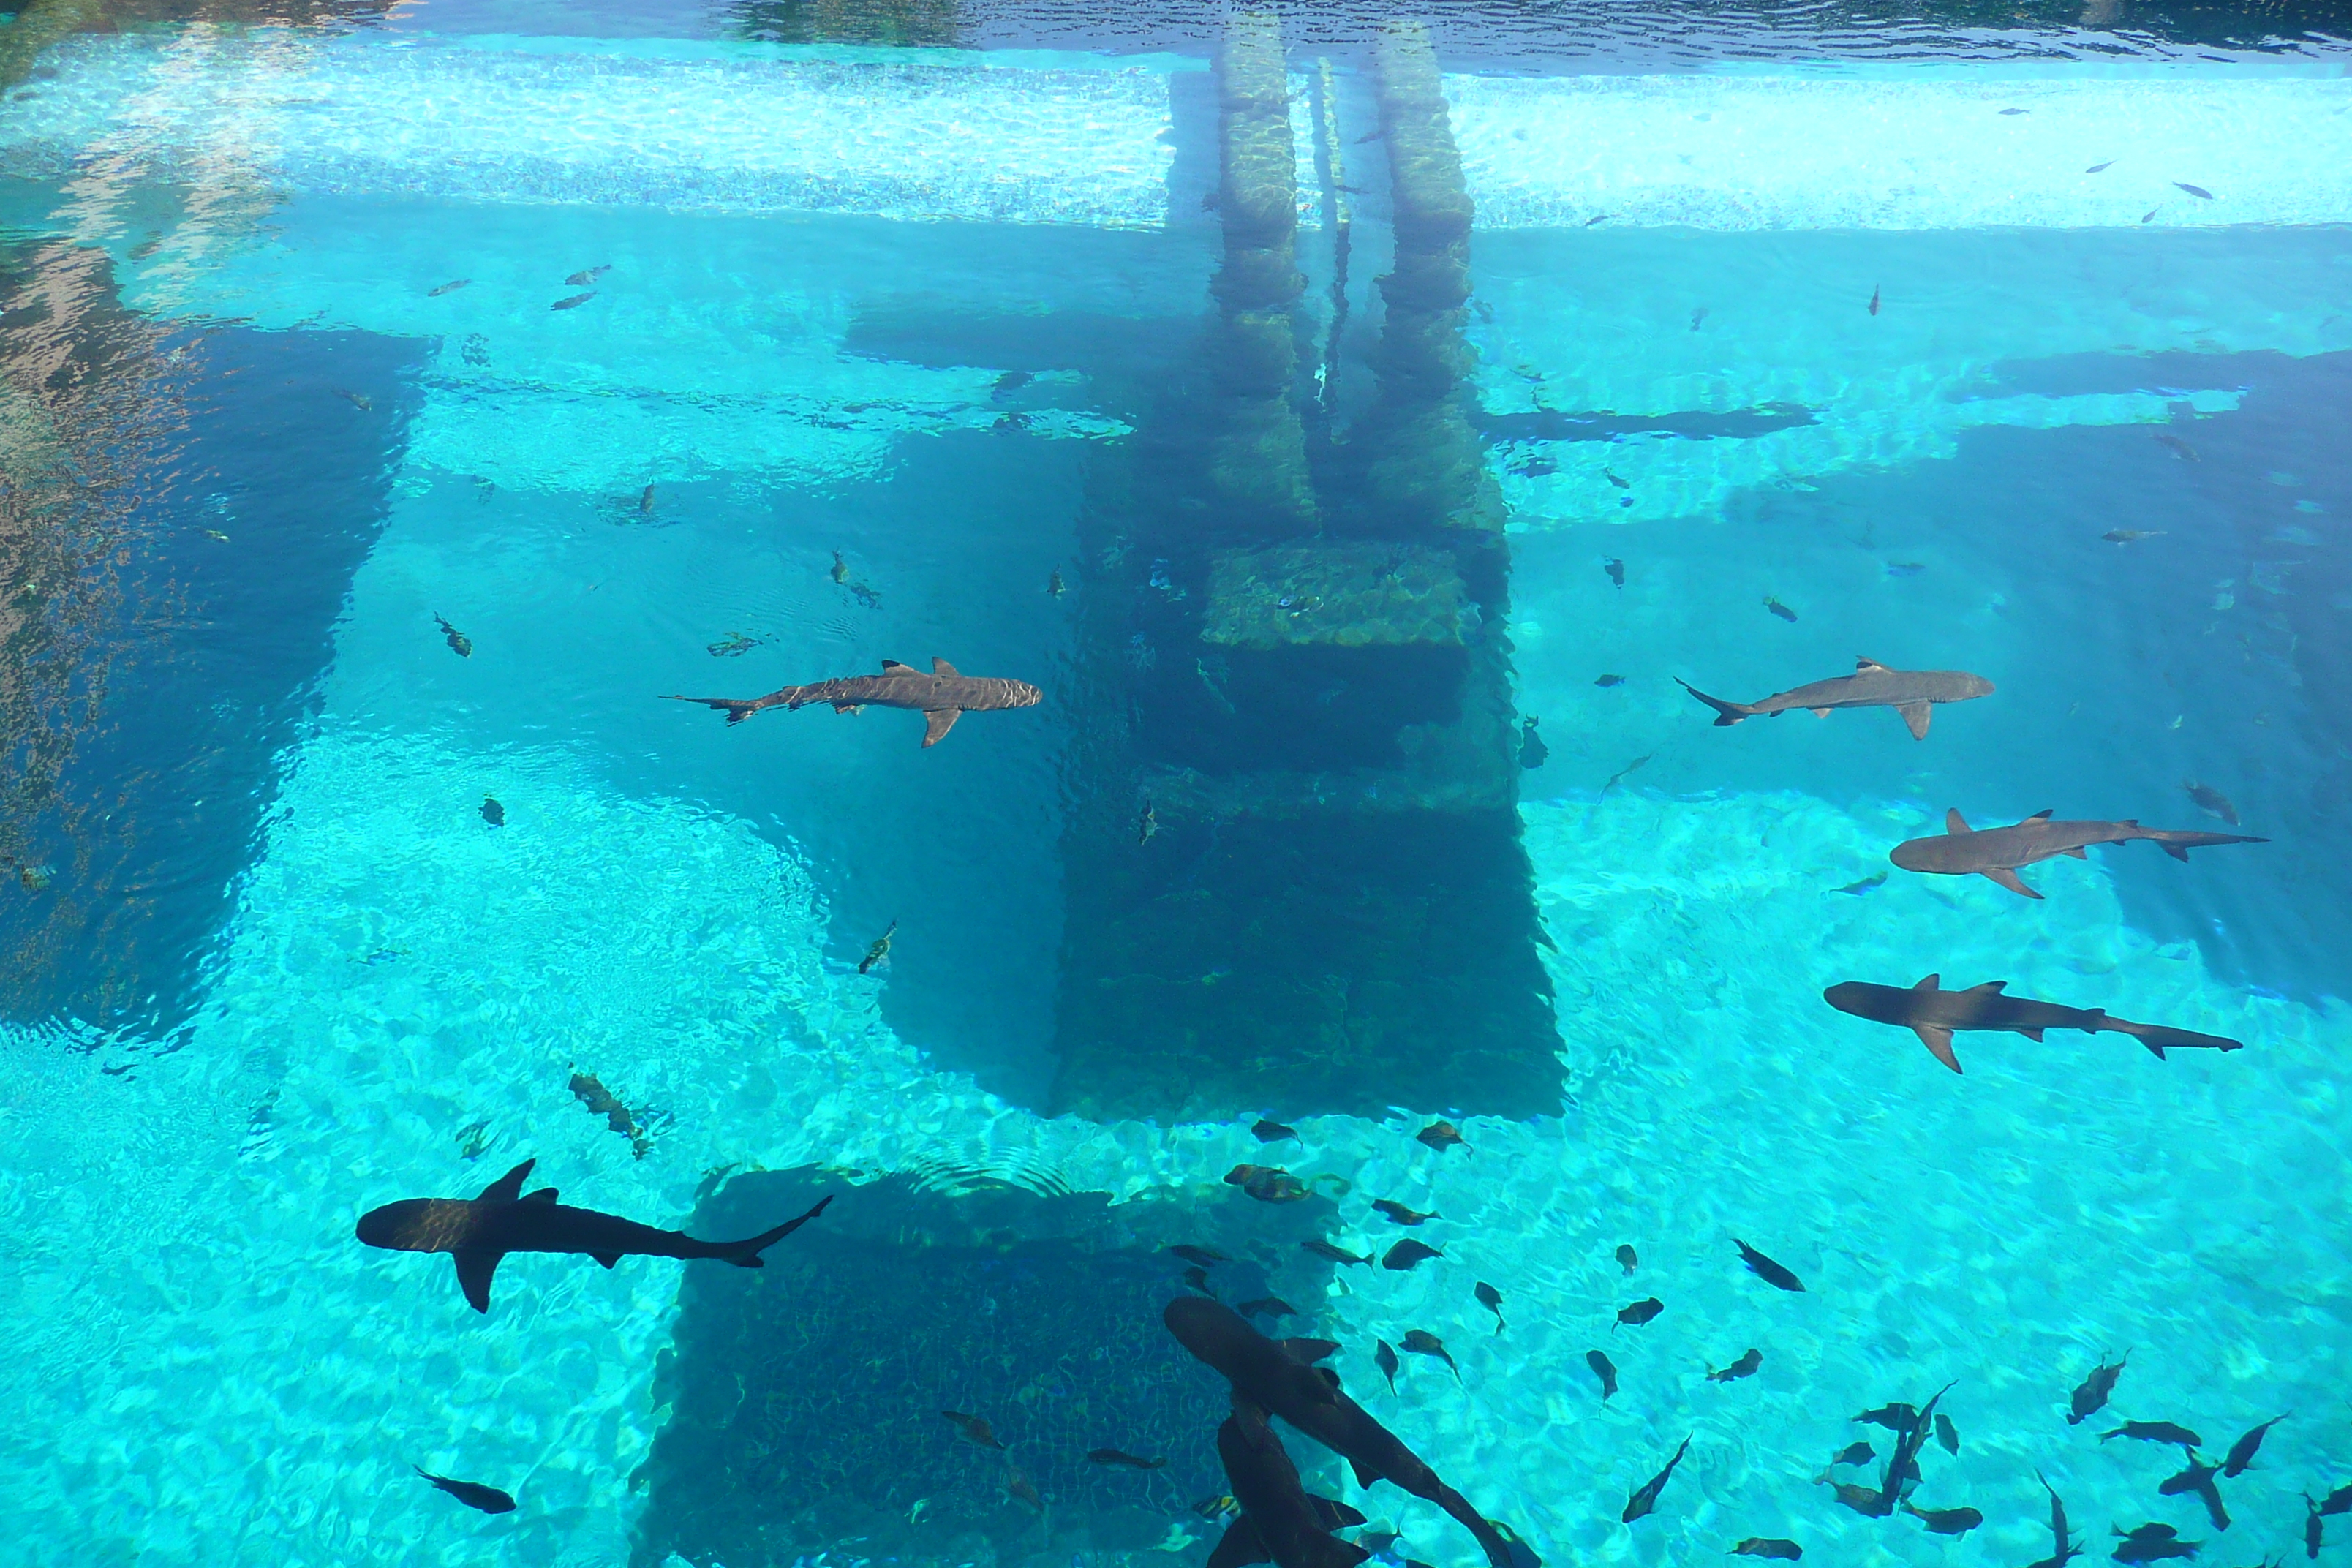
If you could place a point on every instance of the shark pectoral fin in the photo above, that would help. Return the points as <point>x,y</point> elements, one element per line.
<point>1239,1546</point>
<point>1915,715</point>
<point>892,667</point>
<point>475,1267</point>
<point>544,1196</point>
<point>2177,851</point>
<point>509,1187</point>
<point>1309,1352</point>
<point>937,722</point>
<point>2009,880</point>
<point>2034,1035</point>
<point>607,1259</point>
<point>1937,1039</point>
<point>1334,1515</point>
<point>848,707</point>
<point>941,666</point>
<point>1821,713</point>
<point>2077,852</point>
<point>1365,1474</point>
<point>1955,823</point>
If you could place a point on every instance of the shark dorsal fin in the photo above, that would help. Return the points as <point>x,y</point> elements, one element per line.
<point>1931,983</point>
<point>607,1259</point>
<point>1863,661</point>
<point>2128,822</point>
<point>2042,815</point>
<point>892,667</point>
<point>509,1187</point>
<point>941,666</point>
<point>544,1196</point>
<point>1955,823</point>
<point>1995,986</point>
<point>475,1267</point>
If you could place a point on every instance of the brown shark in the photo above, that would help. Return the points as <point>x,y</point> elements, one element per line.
<point>1997,852</point>
<point>1280,1523</point>
<point>942,696</point>
<point>1935,1015</point>
<point>478,1231</point>
<point>1909,693</point>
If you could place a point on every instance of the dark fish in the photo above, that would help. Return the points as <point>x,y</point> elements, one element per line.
<point>359,400</point>
<point>582,279</point>
<point>1605,1370</point>
<point>2100,168</point>
<point>1696,317</point>
<point>1120,1456</point>
<point>1266,1184</point>
<point>2199,192</point>
<point>879,950</point>
<point>1420,1341</point>
<point>1863,885</point>
<point>1873,301</point>
<point>1492,1300</point>
<point>1053,583</point>
<point>1633,766</point>
<point>1384,1356</point>
<point>1780,610</point>
<point>1618,482</point>
<point>2064,1550</point>
<point>1864,1500</point>
<point>1019,1488</point>
<point>1604,217</point>
<point>2314,1534</point>
<point>1743,1367</point>
<point>840,572</point>
<point>1440,1136</point>
<point>1640,1311</point>
<point>451,287</point>
<point>1855,1454</point>
<point>478,1231</point>
<point>1902,1465</point>
<point>975,1429</point>
<point>1767,1271</point>
<point>1012,381</point>
<point>1609,680</point>
<point>2149,216</point>
<point>1946,1434</point>
<point>1203,1256</point>
<point>2177,447</point>
<point>1616,570</point>
<point>2091,1396</point>
<point>1646,1499</point>
<point>2153,1543</point>
<point>646,501</point>
<point>1893,1417</point>
<point>1761,1546</point>
<point>492,812</point>
<point>1199,1279</point>
<point>460,643</point>
<point>1407,1253</point>
<point>2155,1432</point>
<point>1268,1307</point>
<point>1272,1131</point>
<point>1532,750</point>
<point>1906,568</point>
<point>2131,536</point>
<point>1215,1508</point>
<point>1945,1521</point>
<point>473,1494</point>
<point>573,301</point>
<point>1628,1258</point>
<point>2017,111</point>
<point>2199,1478</point>
<point>2211,801</point>
<point>590,1092</point>
<point>1339,1255</point>
<point>1402,1215</point>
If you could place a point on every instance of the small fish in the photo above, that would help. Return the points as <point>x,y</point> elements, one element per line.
<point>1405,1254</point>
<point>1646,1499</point>
<point>1864,886</point>
<point>473,1494</point>
<point>1268,1183</point>
<point>1267,1132</point>
<point>2199,192</point>
<point>1440,1136</point>
<point>1743,1367</point>
<point>1010,381</point>
<point>2210,801</point>
<point>646,501</point>
<point>1420,1341</point>
<point>1873,300</point>
<point>590,1092</point>
<point>2314,1534</point>
<point>2154,1542</point>
<point>492,812</point>
<point>1053,583</point>
<point>2131,536</point>
<point>1120,1456</point>
<point>1604,217</point>
<point>2100,168</point>
<point>460,643</point>
<point>879,950</point>
<point>1215,1508</point>
<point>2155,1432</point>
<point>2149,216</point>
<point>1906,568</point>
<point>585,276</point>
<point>2177,447</point>
<point>1492,1300</point>
<point>1268,1307</point>
<point>1696,317</point>
<point>1946,1434</point>
<point>1868,1501</point>
<point>2017,111</point>
<point>1623,484</point>
<point>1384,1356</point>
<point>1763,1546</point>
<point>1606,1371</point>
<point>2092,1394</point>
<point>573,301</point>
<point>1198,1279</point>
<point>840,568</point>
<point>1780,610</point>
<point>1855,1454</point>
<point>1203,1256</point>
<point>1401,1213</point>
<point>1146,825</point>
<point>2199,1478</point>
<point>1893,1417</point>
<point>1945,1521</point>
<point>1616,570</point>
<point>1633,766</point>
<point>1628,1258</point>
<point>451,287</point>
<point>1338,1254</point>
<point>1609,680</point>
<point>1018,1487</point>
<point>865,596</point>
<point>359,400</point>
<point>735,644</point>
<point>2065,1550</point>
<point>1767,1271</point>
<point>215,533</point>
<point>975,1429</point>
<point>1640,1311</point>
<point>1532,750</point>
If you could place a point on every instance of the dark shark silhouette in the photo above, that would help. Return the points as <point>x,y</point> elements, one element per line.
<point>1909,693</point>
<point>1279,1523</point>
<point>1267,1373</point>
<point>1997,852</point>
<point>1934,1015</point>
<point>942,696</point>
<point>478,1232</point>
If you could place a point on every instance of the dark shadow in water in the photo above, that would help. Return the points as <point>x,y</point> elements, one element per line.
<point>806,1398</point>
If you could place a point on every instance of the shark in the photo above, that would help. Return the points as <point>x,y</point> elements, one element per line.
<point>479,1232</point>
<point>1935,1015</point>
<point>942,697</point>
<point>1997,852</point>
<point>1280,1523</point>
<point>1910,692</point>
<point>1267,1372</point>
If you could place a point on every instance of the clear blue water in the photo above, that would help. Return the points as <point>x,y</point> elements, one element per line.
<point>1789,337</point>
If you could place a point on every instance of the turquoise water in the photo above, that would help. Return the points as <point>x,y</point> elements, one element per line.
<point>900,317</point>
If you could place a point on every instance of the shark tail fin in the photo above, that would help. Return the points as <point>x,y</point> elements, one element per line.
<point>739,709</point>
<point>746,1254</point>
<point>1724,712</point>
<point>2158,1036</point>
